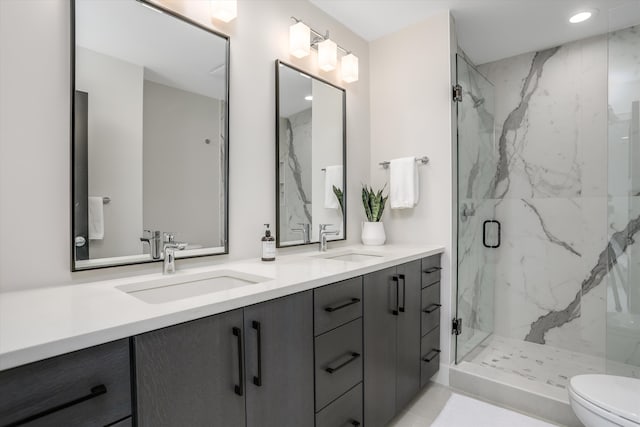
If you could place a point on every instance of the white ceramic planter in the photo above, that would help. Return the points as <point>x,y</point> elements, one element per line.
<point>373,233</point>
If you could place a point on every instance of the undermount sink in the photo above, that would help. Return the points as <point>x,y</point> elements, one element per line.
<point>351,256</point>
<point>179,287</point>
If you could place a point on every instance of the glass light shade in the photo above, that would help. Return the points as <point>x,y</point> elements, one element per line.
<point>349,68</point>
<point>299,36</point>
<point>224,10</point>
<point>327,55</point>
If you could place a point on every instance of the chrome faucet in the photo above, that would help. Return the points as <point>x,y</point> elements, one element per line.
<point>154,239</point>
<point>305,230</point>
<point>169,248</point>
<point>323,236</point>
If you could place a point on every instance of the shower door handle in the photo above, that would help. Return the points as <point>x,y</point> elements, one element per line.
<point>484,233</point>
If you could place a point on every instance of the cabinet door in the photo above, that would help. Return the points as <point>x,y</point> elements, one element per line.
<point>279,362</point>
<point>187,374</point>
<point>409,317</point>
<point>380,341</point>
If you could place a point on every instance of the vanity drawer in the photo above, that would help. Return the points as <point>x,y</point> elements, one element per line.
<point>430,307</point>
<point>338,363</point>
<point>337,304</point>
<point>89,387</point>
<point>429,356</point>
<point>345,411</point>
<point>431,270</point>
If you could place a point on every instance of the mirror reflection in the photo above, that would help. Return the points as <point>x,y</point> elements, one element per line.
<point>149,137</point>
<point>310,151</point>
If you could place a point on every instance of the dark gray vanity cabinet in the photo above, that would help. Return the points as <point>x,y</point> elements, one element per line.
<point>392,319</point>
<point>191,374</point>
<point>430,322</point>
<point>408,324</point>
<point>338,353</point>
<point>279,362</point>
<point>89,387</point>
<point>247,367</point>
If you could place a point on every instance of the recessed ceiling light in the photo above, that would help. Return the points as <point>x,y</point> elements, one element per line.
<point>308,98</point>
<point>582,16</point>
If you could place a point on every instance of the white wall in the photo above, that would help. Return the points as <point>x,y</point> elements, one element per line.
<point>181,185</point>
<point>326,151</point>
<point>114,90</point>
<point>34,132</point>
<point>411,116</point>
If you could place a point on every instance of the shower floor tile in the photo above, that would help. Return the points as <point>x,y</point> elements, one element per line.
<point>544,364</point>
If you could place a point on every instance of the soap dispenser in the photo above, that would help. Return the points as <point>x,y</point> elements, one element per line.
<point>268,245</point>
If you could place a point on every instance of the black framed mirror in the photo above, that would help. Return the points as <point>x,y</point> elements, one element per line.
<point>150,134</point>
<point>310,157</point>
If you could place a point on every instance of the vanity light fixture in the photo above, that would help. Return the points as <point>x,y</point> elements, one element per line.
<point>327,54</point>
<point>302,38</point>
<point>224,10</point>
<point>582,16</point>
<point>299,36</point>
<point>349,68</point>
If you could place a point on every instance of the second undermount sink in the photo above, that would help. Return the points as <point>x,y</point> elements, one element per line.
<point>350,256</point>
<point>172,288</point>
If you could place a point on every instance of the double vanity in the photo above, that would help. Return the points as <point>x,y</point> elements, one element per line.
<point>332,338</point>
<point>346,337</point>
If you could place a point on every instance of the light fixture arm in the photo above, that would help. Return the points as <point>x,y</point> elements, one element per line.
<point>319,37</point>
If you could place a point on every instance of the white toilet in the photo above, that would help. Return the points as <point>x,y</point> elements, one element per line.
<point>605,400</point>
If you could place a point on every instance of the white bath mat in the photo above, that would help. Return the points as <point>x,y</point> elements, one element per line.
<point>462,411</point>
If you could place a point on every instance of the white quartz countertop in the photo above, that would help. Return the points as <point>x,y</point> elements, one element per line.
<point>41,323</point>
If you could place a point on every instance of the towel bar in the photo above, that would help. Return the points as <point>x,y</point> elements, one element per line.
<point>420,160</point>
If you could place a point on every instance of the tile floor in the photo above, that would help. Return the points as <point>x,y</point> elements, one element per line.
<point>424,410</point>
<point>542,363</point>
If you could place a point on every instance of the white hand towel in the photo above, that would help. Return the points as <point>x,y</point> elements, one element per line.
<point>404,191</point>
<point>96,218</point>
<point>332,176</point>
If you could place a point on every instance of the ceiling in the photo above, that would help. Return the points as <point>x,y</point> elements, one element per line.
<point>132,32</point>
<point>294,87</point>
<point>488,30</point>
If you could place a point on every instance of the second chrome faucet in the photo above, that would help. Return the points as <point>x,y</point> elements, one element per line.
<point>322,236</point>
<point>163,246</point>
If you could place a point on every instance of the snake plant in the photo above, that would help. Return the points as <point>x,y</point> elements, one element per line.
<point>373,203</point>
<point>340,196</point>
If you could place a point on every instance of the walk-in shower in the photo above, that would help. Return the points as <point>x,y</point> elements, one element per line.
<point>548,248</point>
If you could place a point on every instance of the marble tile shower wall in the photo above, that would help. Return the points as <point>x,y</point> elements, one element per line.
<point>623,277</point>
<point>295,173</point>
<point>549,188</point>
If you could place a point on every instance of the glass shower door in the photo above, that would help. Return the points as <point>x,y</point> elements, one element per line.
<point>478,232</point>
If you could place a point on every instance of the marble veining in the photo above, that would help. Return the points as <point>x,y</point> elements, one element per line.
<point>541,176</point>
<point>553,239</point>
<point>559,189</point>
<point>295,180</point>
<point>515,119</point>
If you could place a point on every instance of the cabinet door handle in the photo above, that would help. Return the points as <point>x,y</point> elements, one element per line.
<point>433,307</point>
<point>94,392</point>
<point>435,352</point>
<point>257,380</point>
<point>239,389</point>
<point>404,292</point>
<point>354,423</point>
<point>332,369</point>
<point>331,309</point>
<point>432,270</point>
<point>397,309</point>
